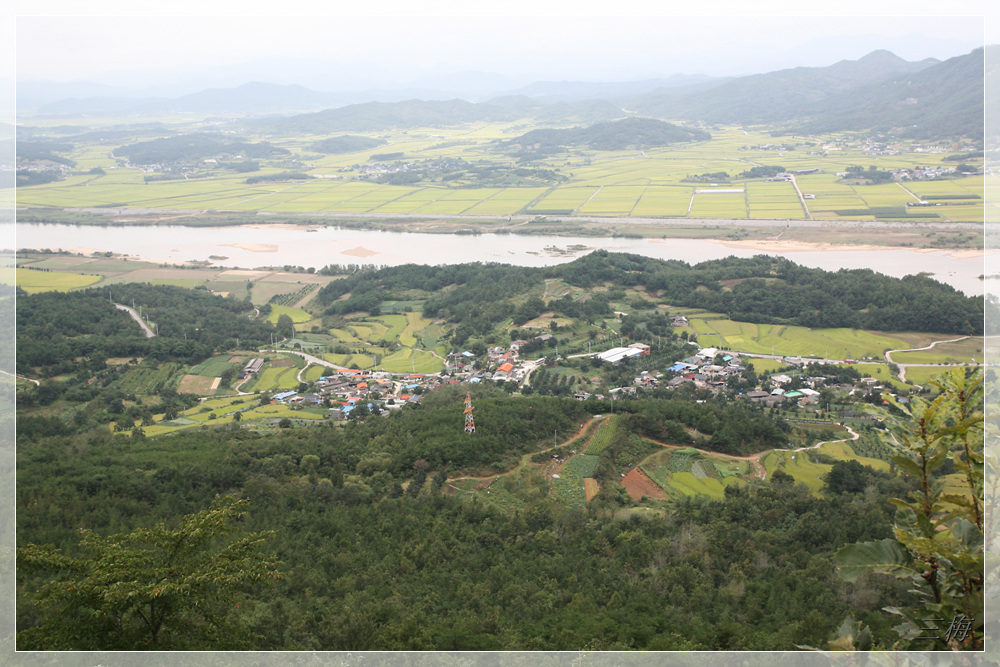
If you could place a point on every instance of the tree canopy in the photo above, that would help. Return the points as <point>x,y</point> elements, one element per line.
<point>153,588</point>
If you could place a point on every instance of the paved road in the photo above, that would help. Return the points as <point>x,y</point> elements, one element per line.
<point>310,358</point>
<point>135,316</point>
<point>903,367</point>
<point>35,382</point>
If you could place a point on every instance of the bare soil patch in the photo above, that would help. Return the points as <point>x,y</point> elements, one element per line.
<point>638,484</point>
<point>591,487</point>
<point>281,363</point>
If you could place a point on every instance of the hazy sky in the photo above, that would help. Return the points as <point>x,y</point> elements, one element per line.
<point>579,40</point>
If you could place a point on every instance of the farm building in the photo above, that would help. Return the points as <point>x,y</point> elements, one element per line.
<point>253,366</point>
<point>616,354</point>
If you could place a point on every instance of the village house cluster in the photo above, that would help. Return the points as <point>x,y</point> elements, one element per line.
<point>709,368</point>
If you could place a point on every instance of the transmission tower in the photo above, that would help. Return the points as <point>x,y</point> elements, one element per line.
<point>470,423</point>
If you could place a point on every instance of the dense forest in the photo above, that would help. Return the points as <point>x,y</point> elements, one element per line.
<point>378,553</point>
<point>56,329</point>
<point>762,289</point>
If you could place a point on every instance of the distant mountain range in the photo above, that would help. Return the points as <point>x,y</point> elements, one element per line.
<point>880,91</point>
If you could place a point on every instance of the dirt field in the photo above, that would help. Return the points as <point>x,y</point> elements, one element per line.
<point>197,384</point>
<point>591,487</point>
<point>638,484</point>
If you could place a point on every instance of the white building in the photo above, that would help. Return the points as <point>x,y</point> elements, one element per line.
<point>616,354</point>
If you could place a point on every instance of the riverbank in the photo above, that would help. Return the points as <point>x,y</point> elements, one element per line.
<point>811,235</point>
<point>299,248</point>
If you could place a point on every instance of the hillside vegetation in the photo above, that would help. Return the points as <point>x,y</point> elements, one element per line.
<point>770,290</point>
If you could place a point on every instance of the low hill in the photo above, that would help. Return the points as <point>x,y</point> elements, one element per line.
<point>198,146</point>
<point>346,143</point>
<point>381,116</point>
<point>613,135</point>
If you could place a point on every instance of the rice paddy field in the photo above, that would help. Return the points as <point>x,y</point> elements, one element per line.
<point>919,375</point>
<point>969,350</point>
<point>883,374</point>
<point>655,182</point>
<point>33,282</point>
<point>716,330</point>
<point>274,379</point>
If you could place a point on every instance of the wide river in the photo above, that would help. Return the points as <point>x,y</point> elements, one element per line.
<point>280,245</point>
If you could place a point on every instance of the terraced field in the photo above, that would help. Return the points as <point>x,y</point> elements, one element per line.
<point>688,471</point>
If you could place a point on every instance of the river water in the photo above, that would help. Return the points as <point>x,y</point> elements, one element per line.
<point>280,245</point>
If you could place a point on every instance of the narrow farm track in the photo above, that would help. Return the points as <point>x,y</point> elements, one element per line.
<point>753,458</point>
<point>854,436</point>
<point>527,458</point>
<point>556,467</point>
<point>239,388</point>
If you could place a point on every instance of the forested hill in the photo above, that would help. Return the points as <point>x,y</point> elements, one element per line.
<point>196,146</point>
<point>56,329</point>
<point>614,135</point>
<point>762,289</point>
